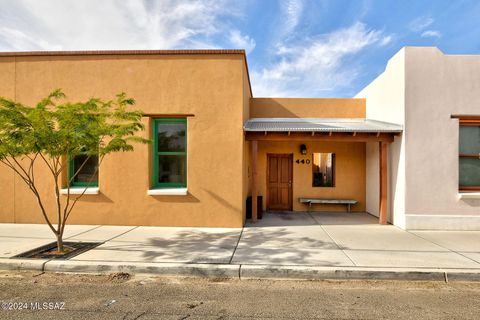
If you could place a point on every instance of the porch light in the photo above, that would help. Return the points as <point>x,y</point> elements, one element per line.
<point>303,149</point>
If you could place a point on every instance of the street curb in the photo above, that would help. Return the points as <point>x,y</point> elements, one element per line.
<point>22,264</point>
<point>242,272</point>
<point>463,275</point>
<point>346,273</point>
<point>166,269</point>
<point>314,273</point>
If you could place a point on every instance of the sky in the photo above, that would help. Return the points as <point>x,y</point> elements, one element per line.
<point>295,48</point>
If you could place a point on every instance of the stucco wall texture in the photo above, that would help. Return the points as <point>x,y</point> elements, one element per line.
<point>7,85</point>
<point>437,86</point>
<point>349,172</point>
<point>210,87</point>
<point>422,88</point>
<point>385,97</point>
<point>350,156</point>
<point>307,108</point>
<point>214,91</point>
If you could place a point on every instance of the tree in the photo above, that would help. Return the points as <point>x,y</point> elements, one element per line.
<point>53,132</point>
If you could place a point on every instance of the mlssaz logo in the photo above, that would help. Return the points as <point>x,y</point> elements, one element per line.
<point>47,306</point>
<point>32,305</point>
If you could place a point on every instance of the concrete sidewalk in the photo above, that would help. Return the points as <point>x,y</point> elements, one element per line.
<point>282,245</point>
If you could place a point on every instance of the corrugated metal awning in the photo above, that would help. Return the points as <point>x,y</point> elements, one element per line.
<point>319,125</point>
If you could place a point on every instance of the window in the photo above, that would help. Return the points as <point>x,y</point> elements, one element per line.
<point>323,170</point>
<point>87,175</point>
<point>169,153</point>
<point>469,157</point>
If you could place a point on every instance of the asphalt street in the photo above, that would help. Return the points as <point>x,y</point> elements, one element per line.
<point>118,296</point>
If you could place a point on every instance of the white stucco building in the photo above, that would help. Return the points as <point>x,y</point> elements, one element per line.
<point>434,166</point>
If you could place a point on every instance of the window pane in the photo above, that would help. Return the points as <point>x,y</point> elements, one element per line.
<point>171,137</point>
<point>89,172</point>
<point>323,169</point>
<point>171,169</point>
<point>469,140</point>
<point>469,172</point>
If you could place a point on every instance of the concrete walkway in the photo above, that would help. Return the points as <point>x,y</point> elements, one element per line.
<point>325,241</point>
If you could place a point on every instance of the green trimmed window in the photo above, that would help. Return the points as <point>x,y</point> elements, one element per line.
<point>88,174</point>
<point>169,161</point>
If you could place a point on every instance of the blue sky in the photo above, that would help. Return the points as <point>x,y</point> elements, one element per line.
<point>296,48</point>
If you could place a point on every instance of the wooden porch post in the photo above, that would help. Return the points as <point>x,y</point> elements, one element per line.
<point>383,151</point>
<point>254,181</point>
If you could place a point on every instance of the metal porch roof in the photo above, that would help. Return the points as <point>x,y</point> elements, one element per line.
<point>319,125</point>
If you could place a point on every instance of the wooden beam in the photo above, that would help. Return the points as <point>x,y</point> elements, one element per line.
<point>466,116</point>
<point>383,154</point>
<point>172,115</point>
<point>254,180</point>
<point>320,136</point>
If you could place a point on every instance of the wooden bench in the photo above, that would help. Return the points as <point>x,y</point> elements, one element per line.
<point>311,201</point>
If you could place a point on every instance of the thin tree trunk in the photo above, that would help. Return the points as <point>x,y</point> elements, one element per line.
<point>59,242</point>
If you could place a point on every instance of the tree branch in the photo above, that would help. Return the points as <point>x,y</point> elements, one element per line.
<point>78,171</point>
<point>69,182</point>
<point>48,164</point>
<point>32,187</point>
<point>100,160</point>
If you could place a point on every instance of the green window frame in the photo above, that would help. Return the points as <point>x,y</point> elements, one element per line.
<point>156,184</point>
<point>71,172</point>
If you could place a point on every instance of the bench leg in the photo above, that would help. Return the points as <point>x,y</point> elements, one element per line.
<point>349,208</point>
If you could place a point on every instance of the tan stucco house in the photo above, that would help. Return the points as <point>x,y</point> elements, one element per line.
<point>404,149</point>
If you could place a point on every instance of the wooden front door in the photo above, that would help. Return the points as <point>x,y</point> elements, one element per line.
<point>279,181</point>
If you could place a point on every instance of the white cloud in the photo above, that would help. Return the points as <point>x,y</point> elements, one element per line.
<point>386,40</point>
<point>420,23</point>
<point>17,40</point>
<point>241,41</point>
<point>431,33</point>
<point>291,13</point>
<point>109,24</point>
<point>316,66</point>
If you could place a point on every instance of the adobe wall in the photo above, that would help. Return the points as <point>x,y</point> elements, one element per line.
<point>385,97</point>
<point>438,85</point>
<point>210,87</point>
<point>307,108</point>
<point>349,173</point>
